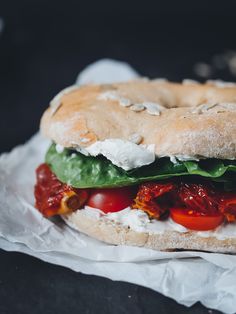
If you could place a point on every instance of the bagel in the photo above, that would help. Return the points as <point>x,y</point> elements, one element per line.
<point>179,138</point>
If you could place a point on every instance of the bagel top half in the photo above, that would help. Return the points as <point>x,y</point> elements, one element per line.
<point>180,119</point>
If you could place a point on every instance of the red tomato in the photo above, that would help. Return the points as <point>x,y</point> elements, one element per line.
<point>194,220</point>
<point>111,200</point>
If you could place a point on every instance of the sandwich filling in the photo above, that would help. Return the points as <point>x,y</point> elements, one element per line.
<point>196,194</point>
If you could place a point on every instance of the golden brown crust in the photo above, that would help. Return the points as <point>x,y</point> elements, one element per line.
<point>113,233</point>
<point>194,119</point>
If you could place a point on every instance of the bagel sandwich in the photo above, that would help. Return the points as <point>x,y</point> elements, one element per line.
<point>147,163</point>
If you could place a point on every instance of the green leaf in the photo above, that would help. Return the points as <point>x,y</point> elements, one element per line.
<point>82,171</point>
<point>212,168</point>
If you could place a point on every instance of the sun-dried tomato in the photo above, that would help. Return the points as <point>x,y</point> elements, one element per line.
<point>54,197</point>
<point>227,206</point>
<point>207,199</point>
<point>154,198</point>
<point>204,198</point>
<point>200,197</point>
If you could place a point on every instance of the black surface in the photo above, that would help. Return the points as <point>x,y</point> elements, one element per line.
<point>28,285</point>
<point>43,46</point>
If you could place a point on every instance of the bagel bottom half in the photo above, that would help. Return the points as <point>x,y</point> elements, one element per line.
<point>117,234</point>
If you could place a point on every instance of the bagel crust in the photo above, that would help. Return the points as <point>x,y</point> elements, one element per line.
<point>117,234</point>
<point>196,120</point>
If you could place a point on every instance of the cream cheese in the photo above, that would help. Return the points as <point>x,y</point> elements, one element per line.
<point>175,159</point>
<point>59,148</point>
<point>139,221</point>
<point>124,154</point>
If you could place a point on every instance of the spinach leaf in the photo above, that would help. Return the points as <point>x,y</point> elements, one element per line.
<point>82,171</point>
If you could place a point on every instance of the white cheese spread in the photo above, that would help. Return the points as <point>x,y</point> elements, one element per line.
<point>177,158</point>
<point>139,221</point>
<point>124,154</point>
<point>59,148</point>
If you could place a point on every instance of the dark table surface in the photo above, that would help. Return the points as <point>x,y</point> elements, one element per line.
<point>43,46</point>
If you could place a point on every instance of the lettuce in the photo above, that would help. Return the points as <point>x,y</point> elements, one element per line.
<point>82,171</point>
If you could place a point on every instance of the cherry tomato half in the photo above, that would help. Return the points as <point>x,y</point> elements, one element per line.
<point>111,200</point>
<point>194,220</point>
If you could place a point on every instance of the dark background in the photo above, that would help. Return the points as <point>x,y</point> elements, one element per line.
<point>43,46</point>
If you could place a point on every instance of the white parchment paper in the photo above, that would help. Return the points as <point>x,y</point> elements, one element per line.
<point>187,277</point>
